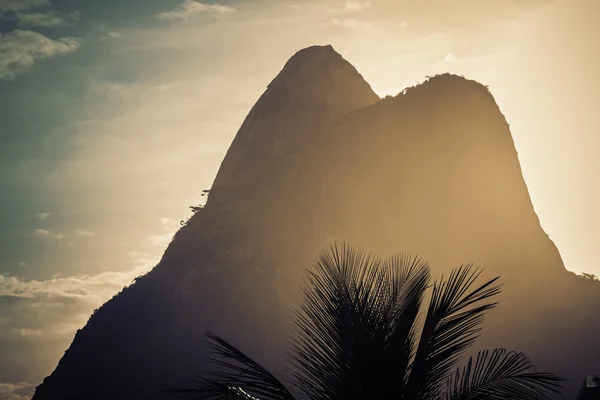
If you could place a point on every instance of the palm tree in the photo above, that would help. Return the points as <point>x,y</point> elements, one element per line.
<point>357,335</point>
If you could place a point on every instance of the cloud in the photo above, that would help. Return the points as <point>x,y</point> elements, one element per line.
<point>60,305</point>
<point>93,289</point>
<point>84,233</point>
<point>161,240</point>
<point>166,221</point>
<point>350,6</point>
<point>41,18</point>
<point>169,227</point>
<point>42,215</point>
<point>351,23</point>
<point>191,8</point>
<point>15,391</point>
<point>21,49</point>
<point>47,234</point>
<point>448,57</point>
<point>111,35</point>
<point>138,255</point>
<point>44,233</point>
<point>28,332</point>
<point>38,318</point>
<point>20,5</point>
<point>357,5</point>
<point>57,307</point>
<point>45,20</point>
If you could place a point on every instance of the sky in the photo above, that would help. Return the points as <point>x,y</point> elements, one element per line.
<point>114,116</point>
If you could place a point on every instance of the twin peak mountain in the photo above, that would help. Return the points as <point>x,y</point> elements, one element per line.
<point>320,157</point>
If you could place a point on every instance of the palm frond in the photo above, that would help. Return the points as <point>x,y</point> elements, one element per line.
<point>240,377</point>
<point>210,389</point>
<point>338,323</point>
<point>353,329</point>
<point>452,324</point>
<point>499,375</point>
<point>409,278</point>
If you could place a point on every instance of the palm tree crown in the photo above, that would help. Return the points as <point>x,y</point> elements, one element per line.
<point>357,335</point>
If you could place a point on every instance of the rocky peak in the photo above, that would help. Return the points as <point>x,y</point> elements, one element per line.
<point>315,86</point>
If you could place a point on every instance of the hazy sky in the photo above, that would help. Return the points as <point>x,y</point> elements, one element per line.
<point>115,115</point>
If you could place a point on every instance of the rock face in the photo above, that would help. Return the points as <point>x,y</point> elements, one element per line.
<point>316,86</point>
<point>319,158</point>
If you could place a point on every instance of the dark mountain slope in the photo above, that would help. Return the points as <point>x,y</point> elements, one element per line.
<point>433,170</point>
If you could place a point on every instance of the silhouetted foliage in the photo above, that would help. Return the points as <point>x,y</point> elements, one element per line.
<point>590,277</point>
<point>140,278</point>
<point>195,209</point>
<point>357,336</point>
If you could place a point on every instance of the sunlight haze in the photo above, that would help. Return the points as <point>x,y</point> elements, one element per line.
<point>114,119</point>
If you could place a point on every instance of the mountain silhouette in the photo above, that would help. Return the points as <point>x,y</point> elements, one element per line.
<point>432,171</point>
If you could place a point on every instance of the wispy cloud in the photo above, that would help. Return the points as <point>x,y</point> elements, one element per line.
<point>166,221</point>
<point>169,227</point>
<point>44,233</point>
<point>15,391</point>
<point>84,233</point>
<point>21,5</point>
<point>92,288</point>
<point>352,23</point>
<point>47,234</point>
<point>111,35</point>
<point>83,293</point>
<point>191,8</point>
<point>448,57</point>
<point>49,19</point>
<point>42,215</point>
<point>28,332</point>
<point>357,5</point>
<point>351,6</point>
<point>38,314</point>
<point>21,49</point>
<point>36,13</point>
<point>161,239</point>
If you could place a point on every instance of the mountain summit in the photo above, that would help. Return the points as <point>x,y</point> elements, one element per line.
<point>316,86</point>
<point>319,158</point>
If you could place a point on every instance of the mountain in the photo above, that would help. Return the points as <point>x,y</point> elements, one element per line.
<point>319,158</point>
<point>316,86</point>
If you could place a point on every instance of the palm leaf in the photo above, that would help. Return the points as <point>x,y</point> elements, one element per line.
<point>210,389</point>
<point>409,278</point>
<point>500,375</point>
<point>340,325</point>
<point>451,325</point>
<point>240,377</point>
<point>355,328</point>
